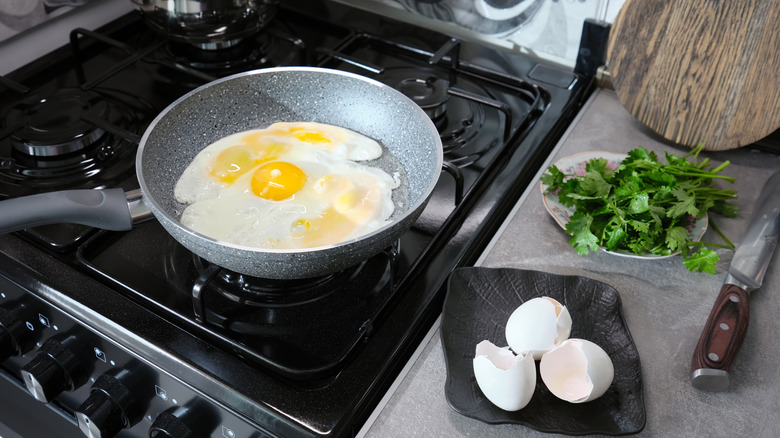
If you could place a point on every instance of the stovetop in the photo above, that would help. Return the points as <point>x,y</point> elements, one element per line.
<point>305,357</point>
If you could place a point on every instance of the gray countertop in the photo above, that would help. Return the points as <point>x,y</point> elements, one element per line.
<point>665,307</point>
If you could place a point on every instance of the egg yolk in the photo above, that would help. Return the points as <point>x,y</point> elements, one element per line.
<point>277,180</point>
<point>350,207</point>
<point>237,160</point>
<point>232,163</point>
<point>310,136</point>
<point>331,226</point>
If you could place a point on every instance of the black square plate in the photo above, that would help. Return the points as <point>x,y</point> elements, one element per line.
<point>477,306</point>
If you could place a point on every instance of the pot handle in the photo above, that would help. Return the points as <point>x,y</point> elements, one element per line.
<point>101,208</point>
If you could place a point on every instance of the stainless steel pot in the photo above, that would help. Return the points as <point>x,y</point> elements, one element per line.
<point>254,100</point>
<point>208,24</point>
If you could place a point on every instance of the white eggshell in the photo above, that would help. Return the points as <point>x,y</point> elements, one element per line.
<point>507,380</point>
<point>538,326</point>
<point>577,371</point>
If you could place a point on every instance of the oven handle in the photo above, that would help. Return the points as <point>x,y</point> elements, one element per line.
<point>109,209</point>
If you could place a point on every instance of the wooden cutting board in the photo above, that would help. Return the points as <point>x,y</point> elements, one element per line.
<point>699,70</point>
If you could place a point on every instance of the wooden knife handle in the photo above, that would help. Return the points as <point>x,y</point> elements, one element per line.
<point>721,339</point>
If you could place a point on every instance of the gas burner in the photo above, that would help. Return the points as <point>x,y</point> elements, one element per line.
<point>430,92</point>
<point>70,138</point>
<point>254,291</point>
<point>298,328</point>
<point>459,120</point>
<point>57,123</point>
<point>273,46</point>
<point>240,56</point>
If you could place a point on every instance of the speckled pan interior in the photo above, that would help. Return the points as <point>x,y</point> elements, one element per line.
<point>261,97</point>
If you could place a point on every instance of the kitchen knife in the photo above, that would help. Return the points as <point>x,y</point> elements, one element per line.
<point>728,321</point>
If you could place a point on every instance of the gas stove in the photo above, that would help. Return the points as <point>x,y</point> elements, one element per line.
<point>126,333</point>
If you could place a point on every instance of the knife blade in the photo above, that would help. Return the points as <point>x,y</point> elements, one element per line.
<point>727,323</point>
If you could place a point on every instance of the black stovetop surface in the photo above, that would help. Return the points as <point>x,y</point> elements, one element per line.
<point>303,358</point>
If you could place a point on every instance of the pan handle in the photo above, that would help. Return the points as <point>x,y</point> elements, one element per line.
<point>107,209</point>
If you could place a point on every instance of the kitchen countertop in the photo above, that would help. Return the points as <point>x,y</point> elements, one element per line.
<point>664,305</point>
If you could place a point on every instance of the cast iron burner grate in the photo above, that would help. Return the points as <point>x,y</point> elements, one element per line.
<point>459,120</point>
<point>471,120</point>
<point>300,329</point>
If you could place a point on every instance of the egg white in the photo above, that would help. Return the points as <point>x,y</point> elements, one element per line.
<point>345,143</point>
<point>360,196</point>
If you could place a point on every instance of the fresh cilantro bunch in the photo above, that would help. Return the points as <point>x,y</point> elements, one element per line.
<point>645,206</point>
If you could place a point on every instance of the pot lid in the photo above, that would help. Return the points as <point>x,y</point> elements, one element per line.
<point>695,71</point>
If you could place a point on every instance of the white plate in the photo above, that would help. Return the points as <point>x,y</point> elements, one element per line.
<point>576,164</point>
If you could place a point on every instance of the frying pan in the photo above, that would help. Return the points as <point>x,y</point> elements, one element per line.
<point>251,100</point>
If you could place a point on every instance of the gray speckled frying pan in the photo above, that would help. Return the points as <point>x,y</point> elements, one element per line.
<point>251,100</point>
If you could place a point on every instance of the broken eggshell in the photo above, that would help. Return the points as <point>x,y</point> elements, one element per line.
<point>577,371</point>
<point>506,379</point>
<point>538,326</point>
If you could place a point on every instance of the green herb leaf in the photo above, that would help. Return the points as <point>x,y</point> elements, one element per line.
<point>685,205</point>
<point>640,203</point>
<point>702,261</point>
<point>677,238</point>
<point>595,184</point>
<point>644,206</point>
<point>553,177</point>
<point>582,238</point>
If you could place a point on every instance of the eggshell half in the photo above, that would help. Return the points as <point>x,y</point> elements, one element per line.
<point>507,380</point>
<point>577,371</point>
<point>538,326</point>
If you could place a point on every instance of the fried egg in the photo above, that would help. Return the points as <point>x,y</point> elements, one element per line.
<point>288,186</point>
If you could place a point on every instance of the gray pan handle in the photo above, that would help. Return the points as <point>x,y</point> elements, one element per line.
<point>107,209</point>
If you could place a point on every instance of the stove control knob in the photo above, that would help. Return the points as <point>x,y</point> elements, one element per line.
<point>194,420</point>
<point>15,338</point>
<point>113,404</point>
<point>55,368</point>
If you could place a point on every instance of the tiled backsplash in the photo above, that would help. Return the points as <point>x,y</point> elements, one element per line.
<point>19,15</point>
<point>547,29</point>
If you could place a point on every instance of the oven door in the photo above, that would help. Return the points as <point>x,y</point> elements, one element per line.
<point>21,416</point>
